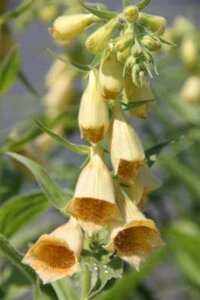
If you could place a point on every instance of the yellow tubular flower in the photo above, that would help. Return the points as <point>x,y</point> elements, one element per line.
<point>69,27</point>
<point>93,113</point>
<point>56,70</point>
<point>131,13</point>
<point>99,39</point>
<point>127,154</point>
<point>133,93</point>
<point>137,237</point>
<point>111,76</point>
<point>154,23</point>
<point>93,204</point>
<point>189,53</point>
<point>55,255</point>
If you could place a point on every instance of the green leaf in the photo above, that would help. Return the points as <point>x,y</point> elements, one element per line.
<point>142,4</point>
<point>54,194</point>
<point>80,149</point>
<point>77,67</point>
<point>20,211</point>
<point>126,3</point>
<point>15,258</point>
<point>132,105</point>
<point>65,290</point>
<point>9,69</point>
<point>152,153</point>
<point>103,14</point>
<point>17,12</point>
<point>25,81</point>
<point>44,292</point>
<point>131,279</point>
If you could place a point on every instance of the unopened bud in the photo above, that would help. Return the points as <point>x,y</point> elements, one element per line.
<point>93,113</point>
<point>55,256</point>
<point>68,27</point>
<point>151,43</point>
<point>156,24</point>
<point>123,42</point>
<point>99,39</point>
<point>191,90</point>
<point>189,52</point>
<point>123,56</point>
<point>131,13</point>
<point>48,12</point>
<point>134,93</point>
<point>93,203</point>
<point>111,76</point>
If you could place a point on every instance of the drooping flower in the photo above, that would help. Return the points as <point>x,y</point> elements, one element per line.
<point>137,236</point>
<point>93,204</point>
<point>55,255</point>
<point>93,113</point>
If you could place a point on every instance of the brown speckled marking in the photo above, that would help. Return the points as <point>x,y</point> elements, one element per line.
<point>96,211</point>
<point>93,135</point>
<point>128,169</point>
<point>138,241</point>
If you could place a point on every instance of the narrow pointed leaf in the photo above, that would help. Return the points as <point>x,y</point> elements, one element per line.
<point>132,105</point>
<point>20,211</point>
<point>80,149</point>
<point>55,195</point>
<point>103,14</point>
<point>143,3</point>
<point>77,67</point>
<point>25,81</point>
<point>152,153</point>
<point>15,258</point>
<point>9,69</point>
<point>126,3</point>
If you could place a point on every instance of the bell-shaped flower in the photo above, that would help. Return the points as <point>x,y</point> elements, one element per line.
<point>137,237</point>
<point>93,113</point>
<point>69,27</point>
<point>111,76</point>
<point>127,154</point>
<point>93,204</point>
<point>55,255</point>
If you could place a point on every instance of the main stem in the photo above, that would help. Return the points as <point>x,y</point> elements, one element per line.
<point>85,282</point>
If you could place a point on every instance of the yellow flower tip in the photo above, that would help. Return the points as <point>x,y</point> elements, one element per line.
<point>127,154</point>
<point>127,170</point>
<point>68,27</point>
<point>94,197</point>
<point>95,127</point>
<point>55,256</point>
<point>93,135</point>
<point>51,259</point>
<point>136,240</point>
<point>131,13</point>
<point>111,76</point>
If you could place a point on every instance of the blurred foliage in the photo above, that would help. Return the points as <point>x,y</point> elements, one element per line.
<point>173,123</point>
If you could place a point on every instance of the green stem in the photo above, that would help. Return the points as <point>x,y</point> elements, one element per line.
<point>142,4</point>
<point>126,3</point>
<point>85,282</point>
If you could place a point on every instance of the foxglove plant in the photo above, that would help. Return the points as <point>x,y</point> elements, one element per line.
<point>104,202</point>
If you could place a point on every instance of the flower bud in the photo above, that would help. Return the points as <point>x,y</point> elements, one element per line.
<point>123,42</point>
<point>191,90</point>
<point>111,76</point>
<point>123,56</point>
<point>69,27</point>
<point>127,154</point>
<point>93,113</point>
<point>134,93</point>
<point>99,39</point>
<point>151,43</point>
<point>137,237</point>
<point>93,204</point>
<point>131,13</point>
<point>189,53</point>
<point>55,255</point>
<point>181,26</point>
<point>56,70</point>
<point>156,24</point>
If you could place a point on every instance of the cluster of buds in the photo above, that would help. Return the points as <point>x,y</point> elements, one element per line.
<point>115,200</point>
